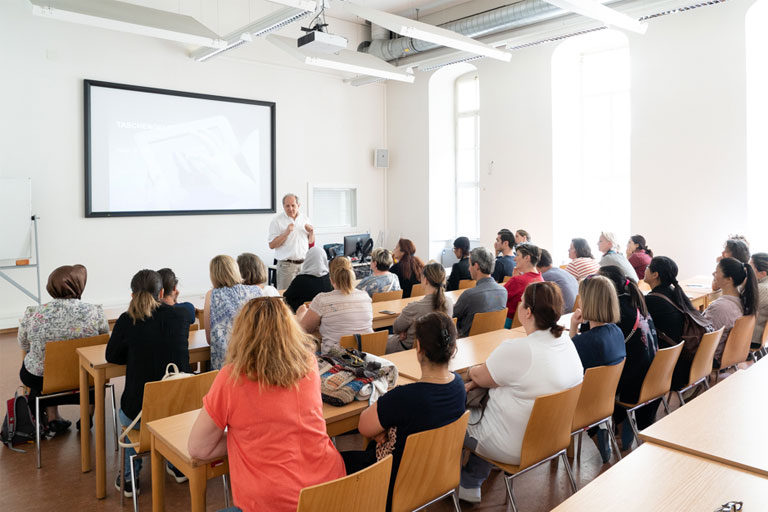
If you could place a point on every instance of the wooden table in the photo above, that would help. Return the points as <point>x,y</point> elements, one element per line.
<point>699,290</point>
<point>383,320</point>
<point>724,424</point>
<point>655,478</point>
<point>94,364</point>
<point>470,351</point>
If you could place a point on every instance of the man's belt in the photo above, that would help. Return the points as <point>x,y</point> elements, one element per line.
<point>297,262</point>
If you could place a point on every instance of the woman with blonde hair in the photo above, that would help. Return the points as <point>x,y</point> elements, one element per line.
<point>342,312</point>
<point>433,279</point>
<point>608,244</point>
<point>254,272</point>
<point>380,279</point>
<point>267,397</point>
<point>222,303</point>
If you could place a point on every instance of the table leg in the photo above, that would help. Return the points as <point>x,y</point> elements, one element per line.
<point>85,427</point>
<point>158,479</point>
<point>98,420</point>
<point>197,487</point>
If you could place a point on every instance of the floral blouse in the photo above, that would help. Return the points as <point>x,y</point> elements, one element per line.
<point>60,319</point>
<point>376,284</point>
<point>225,305</point>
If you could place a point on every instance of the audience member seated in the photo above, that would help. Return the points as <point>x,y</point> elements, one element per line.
<point>435,401</point>
<point>408,266</point>
<point>222,303</point>
<point>568,284</point>
<point>254,272</point>
<point>517,372</point>
<point>460,269</point>
<point>668,305</point>
<point>342,312</point>
<point>582,263</point>
<point>146,338</point>
<point>638,254</point>
<point>433,279</point>
<point>487,295</point>
<point>736,248</point>
<point>526,258</point>
<point>759,264</point>
<point>522,237</point>
<point>171,294</point>
<point>381,279</point>
<point>65,317</point>
<point>313,278</point>
<point>609,246</point>
<point>729,276</point>
<point>264,412</point>
<point>505,259</point>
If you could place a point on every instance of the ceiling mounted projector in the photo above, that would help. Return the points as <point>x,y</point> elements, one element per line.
<point>322,42</point>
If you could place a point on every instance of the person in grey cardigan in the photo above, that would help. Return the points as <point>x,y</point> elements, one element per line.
<point>609,246</point>
<point>433,279</point>
<point>487,295</point>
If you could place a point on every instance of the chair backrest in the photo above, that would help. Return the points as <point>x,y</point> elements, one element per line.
<point>659,377</point>
<point>61,368</point>
<point>598,395</point>
<point>194,327</point>
<point>506,278</point>
<point>467,283</point>
<point>165,398</point>
<point>737,345</point>
<point>765,334</point>
<point>549,426</point>
<point>430,466</point>
<point>374,343</point>
<point>382,296</point>
<point>363,491</point>
<point>515,322</point>
<point>702,361</point>
<point>418,290</point>
<point>644,287</point>
<point>577,302</point>
<point>487,322</point>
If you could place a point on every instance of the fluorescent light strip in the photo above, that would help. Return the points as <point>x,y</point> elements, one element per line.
<point>204,54</point>
<point>600,12</point>
<point>424,32</point>
<point>354,68</point>
<point>306,5</point>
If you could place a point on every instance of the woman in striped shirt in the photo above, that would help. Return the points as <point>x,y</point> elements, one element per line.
<point>582,263</point>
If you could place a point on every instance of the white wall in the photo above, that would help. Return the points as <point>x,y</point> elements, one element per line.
<point>43,65</point>
<point>688,131</point>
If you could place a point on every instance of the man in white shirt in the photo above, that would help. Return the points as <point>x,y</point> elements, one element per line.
<point>290,235</point>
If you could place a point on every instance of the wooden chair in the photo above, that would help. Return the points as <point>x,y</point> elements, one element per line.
<point>737,345</point>
<point>162,399</point>
<point>577,302</point>
<point>61,376</point>
<point>506,278</point>
<point>757,353</point>
<point>467,283</point>
<point>656,384</point>
<point>430,467</point>
<point>374,343</point>
<point>596,402</point>
<point>487,322</point>
<point>364,491</point>
<point>701,367</point>
<point>194,327</point>
<point>546,437</point>
<point>515,322</point>
<point>382,296</point>
<point>644,287</point>
<point>418,290</point>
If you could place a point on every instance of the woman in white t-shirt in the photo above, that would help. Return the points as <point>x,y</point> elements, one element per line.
<point>342,312</point>
<point>517,372</point>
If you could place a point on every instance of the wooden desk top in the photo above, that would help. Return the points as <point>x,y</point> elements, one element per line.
<point>724,424</point>
<point>398,305</point>
<point>656,478</point>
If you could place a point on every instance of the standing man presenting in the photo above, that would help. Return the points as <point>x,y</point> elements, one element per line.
<point>290,235</point>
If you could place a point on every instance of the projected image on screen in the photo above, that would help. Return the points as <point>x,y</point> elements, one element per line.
<point>156,152</point>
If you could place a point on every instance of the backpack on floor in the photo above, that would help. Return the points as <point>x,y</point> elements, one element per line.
<point>19,426</point>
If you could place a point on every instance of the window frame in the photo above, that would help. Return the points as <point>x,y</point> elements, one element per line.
<point>459,184</point>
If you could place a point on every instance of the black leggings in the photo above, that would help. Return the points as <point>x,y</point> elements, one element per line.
<point>35,385</point>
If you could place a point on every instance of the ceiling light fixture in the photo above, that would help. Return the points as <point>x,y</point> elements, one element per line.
<point>598,11</point>
<point>307,5</point>
<point>425,32</point>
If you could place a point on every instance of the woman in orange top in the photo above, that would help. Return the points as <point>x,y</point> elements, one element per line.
<point>268,397</point>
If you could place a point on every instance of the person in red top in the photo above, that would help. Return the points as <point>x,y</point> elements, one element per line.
<point>638,254</point>
<point>267,396</point>
<point>525,264</point>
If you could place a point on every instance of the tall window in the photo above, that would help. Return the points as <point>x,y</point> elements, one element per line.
<point>467,118</point>
<point>757,123</point>
<point>591,139</point>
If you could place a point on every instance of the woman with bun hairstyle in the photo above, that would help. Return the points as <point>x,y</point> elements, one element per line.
<point>638,254</point>
<point>608,244</point>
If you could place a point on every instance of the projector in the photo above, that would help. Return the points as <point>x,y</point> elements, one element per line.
<point>322,42</point>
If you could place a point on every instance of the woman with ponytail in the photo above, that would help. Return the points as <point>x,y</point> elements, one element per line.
<point>759,263</point>
<point>433,279</point>
<point>146,338</point>
<point>638,254</point>
<point>729,276</point>
<point>408,267</point>
<point>516,372</point>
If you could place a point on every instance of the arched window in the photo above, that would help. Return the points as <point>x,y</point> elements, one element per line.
<point>591,139</point>
<point>454,124</point>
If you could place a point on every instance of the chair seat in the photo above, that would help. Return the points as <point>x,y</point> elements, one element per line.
<point>508,468</point>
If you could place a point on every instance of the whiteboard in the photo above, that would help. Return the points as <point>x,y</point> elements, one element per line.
<point>15,218</point>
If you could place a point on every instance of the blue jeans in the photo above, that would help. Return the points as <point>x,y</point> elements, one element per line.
<point>476,471</point>
<point>125,421</point>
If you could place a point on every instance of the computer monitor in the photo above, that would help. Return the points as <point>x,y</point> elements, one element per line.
<point>353,245</point>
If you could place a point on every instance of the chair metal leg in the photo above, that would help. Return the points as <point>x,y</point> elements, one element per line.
<point>508,482</point>
<point>579,438</point>
<point>122,477</point>
<point>114,415</point>
<point>226,490</point>
<point>455,497</point>
<point>665,403</point>
<point>633,424</point>
<point>706,384</point>
<point>134,485</point>
<point>38,424</point>
<point>568,470</point>
<point>680,397</point>
<point>613,440</point>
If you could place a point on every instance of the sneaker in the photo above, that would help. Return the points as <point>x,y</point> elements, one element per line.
<point>59,426</point>
<point>128,491</point>
<point>603,445</point>
<point>176,474</point>
<point>470,495</point>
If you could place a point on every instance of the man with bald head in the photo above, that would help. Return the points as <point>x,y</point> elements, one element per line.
<point>290,235</point>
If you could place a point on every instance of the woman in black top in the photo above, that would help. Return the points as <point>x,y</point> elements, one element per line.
<point>408,267</point>
<point>460,269</point>
<point>312,279</point>
<point>146,338</point>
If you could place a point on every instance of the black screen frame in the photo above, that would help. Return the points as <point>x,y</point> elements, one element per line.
<point>89,213</point>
